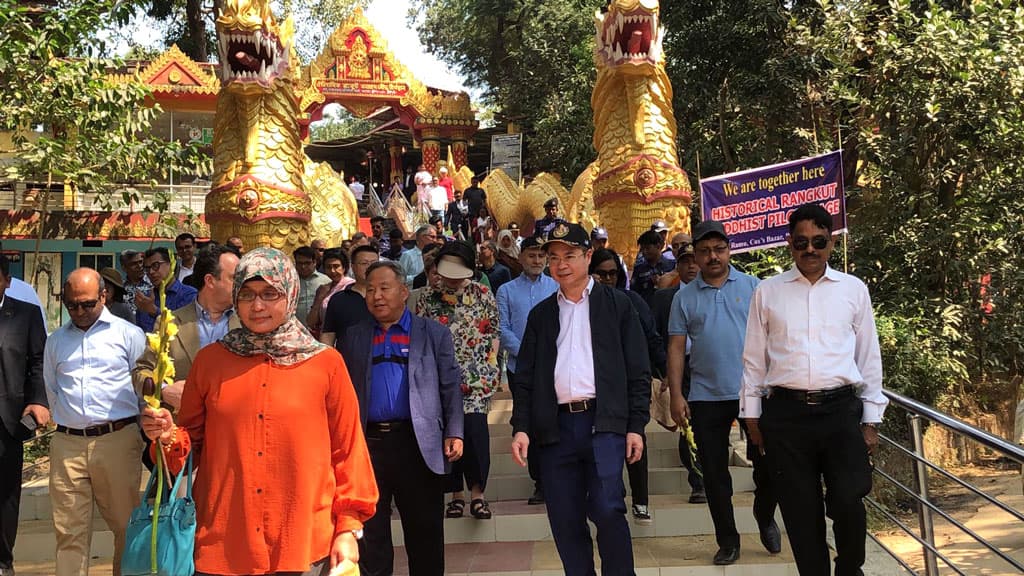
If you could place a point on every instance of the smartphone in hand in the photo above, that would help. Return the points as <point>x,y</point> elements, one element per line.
<point>29,421</point>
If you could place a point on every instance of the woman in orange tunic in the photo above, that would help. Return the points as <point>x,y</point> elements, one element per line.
<point>284,480</point>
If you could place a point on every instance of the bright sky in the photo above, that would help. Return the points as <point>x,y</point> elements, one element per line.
<point>389,17</point>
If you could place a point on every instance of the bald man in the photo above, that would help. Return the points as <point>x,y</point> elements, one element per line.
<point>95,453</point>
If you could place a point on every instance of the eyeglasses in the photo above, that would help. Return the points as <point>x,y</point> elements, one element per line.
<point>88,305</point>
<point>155,266</point>
<point>570,259</point>
<point>606,274</point>
<point>268,295</point>
<point>304,262</point>
<point>801,243</point>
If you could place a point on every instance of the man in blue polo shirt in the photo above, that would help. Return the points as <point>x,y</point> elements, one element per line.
<point>404,373</point>
<point>712,312</point>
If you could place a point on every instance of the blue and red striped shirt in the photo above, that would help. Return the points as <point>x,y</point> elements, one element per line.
<point>388,397</point>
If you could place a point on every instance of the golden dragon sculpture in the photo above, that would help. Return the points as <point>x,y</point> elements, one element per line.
<point>265,190</point>
<point>636,178</point>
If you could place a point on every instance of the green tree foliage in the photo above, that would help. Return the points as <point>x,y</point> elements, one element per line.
<point>96,134</point>
<point>534,62</point>
<point>933,98</point>
<point>337,123</point>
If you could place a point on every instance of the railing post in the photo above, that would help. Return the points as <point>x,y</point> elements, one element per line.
<point>924,513</point>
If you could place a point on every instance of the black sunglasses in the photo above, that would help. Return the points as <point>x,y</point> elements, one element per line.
<point>88,305</point>
<point>819,243</point>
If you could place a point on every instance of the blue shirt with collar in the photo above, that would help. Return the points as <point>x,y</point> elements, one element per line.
<point>87,373</point>
<point>715,320</point>
<point>210,331</point>
<point>388,394</point>
<point>515,300</point>
<point>178,295</point>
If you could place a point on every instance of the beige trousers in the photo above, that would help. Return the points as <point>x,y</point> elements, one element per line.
<point>104,469</point>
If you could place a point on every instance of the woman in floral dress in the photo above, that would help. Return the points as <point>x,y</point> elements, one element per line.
<point>470,311</point>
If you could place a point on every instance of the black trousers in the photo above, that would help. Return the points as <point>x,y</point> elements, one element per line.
<point>532,463</point>
<point>418,492</point>
<point>475,464</point>
<point>712,424</point>
<point>805,444</point>
<point>11,461</point>
<point>638,482</point>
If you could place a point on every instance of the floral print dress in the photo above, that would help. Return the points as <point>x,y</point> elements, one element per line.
<point>471,315</point>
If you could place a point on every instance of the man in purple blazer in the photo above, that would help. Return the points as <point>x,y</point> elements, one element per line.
<point>410,401</point>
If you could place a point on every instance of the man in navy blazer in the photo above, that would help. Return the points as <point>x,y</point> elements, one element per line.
<point>410,401</point>
<point>22,338</point>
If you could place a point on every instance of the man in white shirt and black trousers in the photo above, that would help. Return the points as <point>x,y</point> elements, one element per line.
<point>581,400</point>
<point>812,395</point>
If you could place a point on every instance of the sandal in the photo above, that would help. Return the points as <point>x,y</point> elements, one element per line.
<point>455,508</point>
<point>480,509</point>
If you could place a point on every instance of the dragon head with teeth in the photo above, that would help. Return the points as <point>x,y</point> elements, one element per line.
<point>254,50</point>
<point>628,36</point>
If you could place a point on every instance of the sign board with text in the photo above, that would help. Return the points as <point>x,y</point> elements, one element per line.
<point>507,154</point>
<point>754,205</point>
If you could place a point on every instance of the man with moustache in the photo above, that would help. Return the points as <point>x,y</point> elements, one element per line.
<point>812,395</point>
<point>515,300</point>
<point>157,264</point>
<point>711,312</point>
<point>95,452</point>
<point>22,395</point>
<point>582,399</point>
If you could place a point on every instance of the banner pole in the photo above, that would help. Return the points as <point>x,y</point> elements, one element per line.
<point>846,254</point>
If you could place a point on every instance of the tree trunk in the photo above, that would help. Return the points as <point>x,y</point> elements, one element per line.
<point>196,30</point>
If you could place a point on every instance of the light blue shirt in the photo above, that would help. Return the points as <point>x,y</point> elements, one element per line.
<point>715,320</point>
<point>88,373</point>
<point>411,262</point>
<point>515,300</point>
<point>210,331</point>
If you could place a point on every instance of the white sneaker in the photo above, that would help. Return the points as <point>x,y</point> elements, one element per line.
<point>641,515</point>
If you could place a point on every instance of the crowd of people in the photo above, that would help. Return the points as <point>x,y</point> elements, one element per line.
<point>335,382</point>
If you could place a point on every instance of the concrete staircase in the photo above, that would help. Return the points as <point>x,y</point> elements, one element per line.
<point>517,540</point>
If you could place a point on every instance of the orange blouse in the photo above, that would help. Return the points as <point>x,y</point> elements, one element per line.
<point>282,462</point>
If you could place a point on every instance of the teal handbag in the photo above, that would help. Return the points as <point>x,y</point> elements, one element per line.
<point>176,533</point>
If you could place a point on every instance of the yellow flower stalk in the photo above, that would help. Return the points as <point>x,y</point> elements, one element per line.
<point>159,341</point>
<point>691,443</point>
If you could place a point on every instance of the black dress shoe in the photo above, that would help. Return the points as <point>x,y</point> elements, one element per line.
<point>726,556</point>
<point>772,538</point>
<point>537,498</point>
<point>6,571</point>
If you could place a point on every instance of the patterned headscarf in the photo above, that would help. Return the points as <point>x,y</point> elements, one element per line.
<point>289,343</point>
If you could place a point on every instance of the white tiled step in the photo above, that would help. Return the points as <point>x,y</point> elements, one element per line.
<point>511,522</point>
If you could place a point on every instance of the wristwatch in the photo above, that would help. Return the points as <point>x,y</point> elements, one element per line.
<point>357,533</point>
<point>871,425</point>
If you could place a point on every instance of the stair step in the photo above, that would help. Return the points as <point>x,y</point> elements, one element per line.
<point>513,521</point>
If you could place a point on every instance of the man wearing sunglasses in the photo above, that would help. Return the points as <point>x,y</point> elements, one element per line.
<point>95,452</point>
<point>157,263</point>
<point>812,395</point>
<point>711,311</point>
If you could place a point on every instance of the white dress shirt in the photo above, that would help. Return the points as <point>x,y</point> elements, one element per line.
<point>21,290</point>
<point>574,363</point>
<point>88,373</point>
<point>812,337</point>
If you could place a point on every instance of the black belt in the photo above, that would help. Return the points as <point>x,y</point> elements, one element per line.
<point>99,429</point>
<point>385,427</point>
<point>577,406</point>
<point>812,397</point>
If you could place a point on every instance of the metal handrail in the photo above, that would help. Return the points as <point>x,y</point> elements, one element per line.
<point>39,462</point>
<point>916,412</point>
